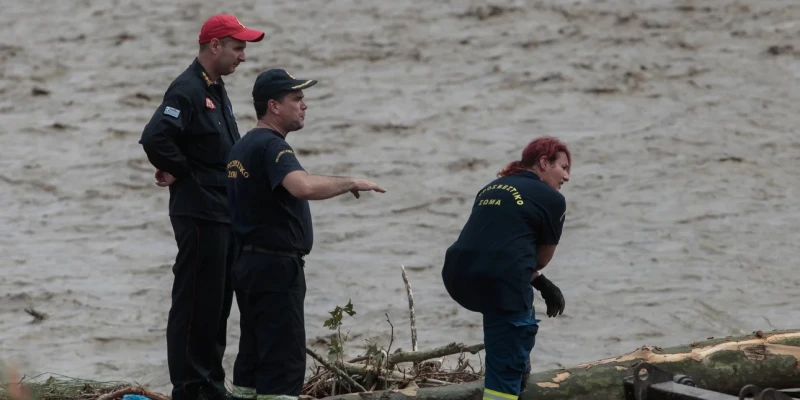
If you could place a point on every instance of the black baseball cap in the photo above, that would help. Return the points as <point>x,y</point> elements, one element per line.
<point>273,81</point>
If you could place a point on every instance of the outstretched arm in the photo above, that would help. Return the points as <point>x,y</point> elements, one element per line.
<point>284,169</point>
<point>320,187</point>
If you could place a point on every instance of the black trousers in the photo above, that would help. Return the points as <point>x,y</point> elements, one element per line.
<point>270,291</point>
<point>202,295</point>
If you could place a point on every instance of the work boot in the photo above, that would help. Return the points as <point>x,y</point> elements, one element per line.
<point>214,394</point>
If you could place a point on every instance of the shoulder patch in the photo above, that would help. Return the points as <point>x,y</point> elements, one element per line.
<point>172,112</point>
<point>282,153</point>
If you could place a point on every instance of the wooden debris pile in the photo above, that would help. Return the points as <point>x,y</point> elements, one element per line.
<point>376,371</point>
<point>380,370</point>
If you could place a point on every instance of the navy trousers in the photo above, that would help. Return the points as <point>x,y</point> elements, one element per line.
<point>270,291</point>
<point>509,338</point>
<point>201,303</point>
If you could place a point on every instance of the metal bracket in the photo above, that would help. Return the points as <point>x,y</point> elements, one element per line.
<point>756,393</point>
<point>649,382</point>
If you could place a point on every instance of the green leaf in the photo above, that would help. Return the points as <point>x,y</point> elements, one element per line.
<point>334,349</point>
<point>334,321</point>
<point>349,308</point>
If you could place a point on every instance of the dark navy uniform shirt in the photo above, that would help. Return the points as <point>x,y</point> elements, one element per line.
<point>263,212</point>
<point>490,265</point>
<point>189,136</point>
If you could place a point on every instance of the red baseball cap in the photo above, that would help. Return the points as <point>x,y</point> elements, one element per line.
<point>222,25</point>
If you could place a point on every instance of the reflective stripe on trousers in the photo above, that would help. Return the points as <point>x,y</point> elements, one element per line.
<point>509,339</point>
<point>242,392</point>
<point>489,394</point>
<point>275,397</point>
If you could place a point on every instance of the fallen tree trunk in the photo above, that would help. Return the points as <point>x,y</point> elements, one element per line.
<point>723,365</point>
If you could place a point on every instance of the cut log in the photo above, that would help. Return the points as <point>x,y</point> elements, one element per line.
<point>724,365</point>
<point>469,391</point>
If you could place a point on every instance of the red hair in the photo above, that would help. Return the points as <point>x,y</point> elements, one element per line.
<point>540,147</point>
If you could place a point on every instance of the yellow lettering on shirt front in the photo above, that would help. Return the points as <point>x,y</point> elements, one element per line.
<point>235,168</point>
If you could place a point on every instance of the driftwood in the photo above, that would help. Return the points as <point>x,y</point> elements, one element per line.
<point>359,369</point>
<point>724,365</point>
<point>412,315</point>
<point>335,370</point>
<point>419,356</point>
<point>423,373</point>
<point>416,357</point>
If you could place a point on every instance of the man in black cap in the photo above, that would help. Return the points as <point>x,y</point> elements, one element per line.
<point>268,194</point>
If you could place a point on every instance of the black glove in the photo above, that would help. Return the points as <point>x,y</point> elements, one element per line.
<point>551,294</point>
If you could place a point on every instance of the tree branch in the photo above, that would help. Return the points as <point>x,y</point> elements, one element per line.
<point>361,369</point>
<point>411,310</point>
<point>422,355</point>
<point>335,370</point>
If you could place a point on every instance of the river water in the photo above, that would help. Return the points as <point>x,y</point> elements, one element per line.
<point>682,208</point>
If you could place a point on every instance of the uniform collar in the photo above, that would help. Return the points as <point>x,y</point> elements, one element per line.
<point>275,133</point>
<point>530,174</point>
<point>201,72</point>
<point>271,132</point>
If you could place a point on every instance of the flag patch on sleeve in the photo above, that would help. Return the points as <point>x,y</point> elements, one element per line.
<point>172,112</point>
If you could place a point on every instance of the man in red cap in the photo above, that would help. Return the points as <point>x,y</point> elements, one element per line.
<point>187,140</point>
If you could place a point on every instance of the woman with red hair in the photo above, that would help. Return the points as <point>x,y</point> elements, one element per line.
<point>494,265</point>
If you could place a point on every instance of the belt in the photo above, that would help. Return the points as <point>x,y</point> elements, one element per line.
<point>276,252</point>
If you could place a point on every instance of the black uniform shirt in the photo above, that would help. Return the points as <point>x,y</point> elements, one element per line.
<point>263,212</point>
<point>490,265</point>
<point>189,136</point>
